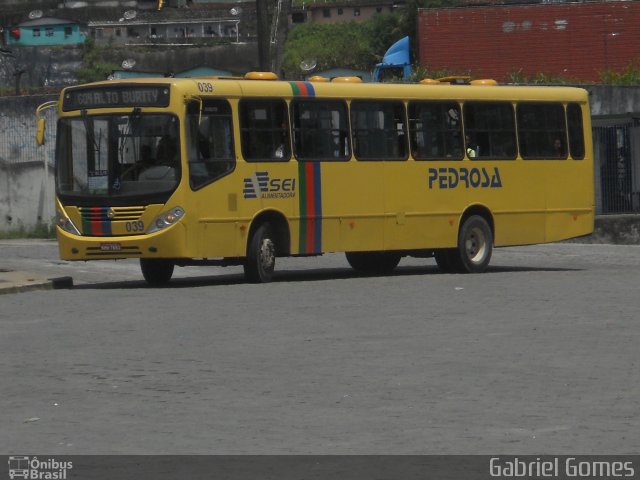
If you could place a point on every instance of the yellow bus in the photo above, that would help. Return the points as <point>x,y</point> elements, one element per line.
<point>240,171</point>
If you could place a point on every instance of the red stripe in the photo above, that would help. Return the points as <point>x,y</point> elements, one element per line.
<point>311,207</point>
<point>96,226</point>
<point>304,91</point>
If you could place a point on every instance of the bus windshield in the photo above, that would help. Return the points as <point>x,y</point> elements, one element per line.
<point>122,155</point>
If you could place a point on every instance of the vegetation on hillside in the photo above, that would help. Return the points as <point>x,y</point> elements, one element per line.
<point>94,68</point>
<point>356,45</point>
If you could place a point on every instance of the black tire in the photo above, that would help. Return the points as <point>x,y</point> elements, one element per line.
<point>156,271</point>
<point>475,245</point>
<point>372,263</point>
<point>447,260</point>
<point>261,255</point>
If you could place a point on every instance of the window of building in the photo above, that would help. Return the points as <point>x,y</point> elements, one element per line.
<point>118,32</point>
<point>356,12</point>
<point>489,129</point>
<point>326,12</point>
<point>435,129</point>
<point>36,32</point>
<point>541,130</point>
<point>340,11</point>
<point>298,17</point>
<point>264,129</point>
<point>378,130</point>
<point>48,32</point>
<point>320,130</point>
<point>210,141</point>
<point>576,133</point>
<point>67,32</point>
<point>378,9</point>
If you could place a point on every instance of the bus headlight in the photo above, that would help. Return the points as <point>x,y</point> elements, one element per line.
<point>65,223</point>
<point>166,219</point>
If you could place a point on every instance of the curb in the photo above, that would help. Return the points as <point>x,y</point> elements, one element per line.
<point>25,283</point>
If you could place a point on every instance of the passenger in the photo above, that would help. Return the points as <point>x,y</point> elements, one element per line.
<point>166,151</point>
<point>472,151</point>
<point>558,149</point>
<point>166,162</point>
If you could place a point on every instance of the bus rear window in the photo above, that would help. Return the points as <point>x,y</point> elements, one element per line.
<point>576,134</point>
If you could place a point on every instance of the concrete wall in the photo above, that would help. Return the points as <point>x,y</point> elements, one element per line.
<point>26,170</point>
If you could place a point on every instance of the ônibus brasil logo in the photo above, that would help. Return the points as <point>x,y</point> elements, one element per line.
<point>259,185</point>
<point>35,469</point>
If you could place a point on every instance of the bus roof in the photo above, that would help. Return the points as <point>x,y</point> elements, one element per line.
<point>239,87</point>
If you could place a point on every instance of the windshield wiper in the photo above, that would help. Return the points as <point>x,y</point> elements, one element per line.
<point>132,120</point>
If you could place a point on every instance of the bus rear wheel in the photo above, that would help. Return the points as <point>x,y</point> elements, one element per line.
<point>261,255</point>
<point>475,245</point>
<point>372,263</point>
<point>156,271</point>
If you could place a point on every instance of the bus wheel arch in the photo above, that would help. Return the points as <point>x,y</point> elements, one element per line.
<point>476,235</point>
<point>268,238</point>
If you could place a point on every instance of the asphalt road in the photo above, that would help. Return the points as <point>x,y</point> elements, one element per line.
<point>539,355</point>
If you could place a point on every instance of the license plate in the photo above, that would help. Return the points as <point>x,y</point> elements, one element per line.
<point>110,247</point>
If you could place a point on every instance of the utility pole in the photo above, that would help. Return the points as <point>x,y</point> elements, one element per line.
<point>262,21</point>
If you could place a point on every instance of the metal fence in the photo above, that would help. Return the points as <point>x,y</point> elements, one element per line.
<point>617,167</point>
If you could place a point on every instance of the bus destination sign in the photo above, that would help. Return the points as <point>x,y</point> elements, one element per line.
<point>116,97</point>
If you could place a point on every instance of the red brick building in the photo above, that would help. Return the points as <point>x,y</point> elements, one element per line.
<point>574,40</point>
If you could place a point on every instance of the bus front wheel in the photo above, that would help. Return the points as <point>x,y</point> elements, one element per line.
<point>261,255</point>
<point>373,262</point>
<point>156,271</point>
<point>475,245</point>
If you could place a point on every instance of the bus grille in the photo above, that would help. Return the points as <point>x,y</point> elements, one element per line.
<point>113,214</point>
<point>97,221</point>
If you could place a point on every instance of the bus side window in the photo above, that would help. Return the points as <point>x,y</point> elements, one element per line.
<point>264,129</point>
<point>541,130</point>
<point>320,130</point>
<point>492,126</point>
<point>210,137</point>
<point>435,130</point>
<point>378,130</point>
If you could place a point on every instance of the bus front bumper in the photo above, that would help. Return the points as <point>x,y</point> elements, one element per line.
<point>166,243</point>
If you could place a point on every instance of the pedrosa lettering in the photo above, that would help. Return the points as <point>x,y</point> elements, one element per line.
<point>449,177</point>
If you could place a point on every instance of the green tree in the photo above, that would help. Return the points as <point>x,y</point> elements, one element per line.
<point>343,44</point>
<point>93,67</point>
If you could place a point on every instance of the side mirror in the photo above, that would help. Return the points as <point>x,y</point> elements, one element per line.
<point>41,121</point>
<point>40,131</point>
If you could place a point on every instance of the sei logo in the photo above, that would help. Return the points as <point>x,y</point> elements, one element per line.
<point>260,185</point>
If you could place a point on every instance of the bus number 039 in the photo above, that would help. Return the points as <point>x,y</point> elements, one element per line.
<point>134,226</point>
<point>205,87</point>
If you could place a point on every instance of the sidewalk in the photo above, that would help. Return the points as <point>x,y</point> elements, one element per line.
<point>16,281</point>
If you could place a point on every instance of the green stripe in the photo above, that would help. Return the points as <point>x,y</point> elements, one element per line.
<point>294,87</point>
<point>302,182</point>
